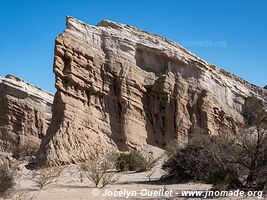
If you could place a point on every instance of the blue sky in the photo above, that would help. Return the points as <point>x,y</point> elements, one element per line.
<point>229,34</point>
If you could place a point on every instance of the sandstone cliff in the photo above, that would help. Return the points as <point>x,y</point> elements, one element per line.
<point>121,87</point>
<point>25,112</point>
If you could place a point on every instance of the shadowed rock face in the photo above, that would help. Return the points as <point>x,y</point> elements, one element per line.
<point>25,112</point>
<point>120,87</point>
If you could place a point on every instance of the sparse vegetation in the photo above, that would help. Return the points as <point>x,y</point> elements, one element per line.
<point>251,156</point>
<point>201,160</point>
<point>237,163</point>
<point>6,180</point>
<point>99,170</point>
<point>22,195</point>
<point>45,176</point>
<point>172,147</point>
<point>81,176</point>
<point>149,174</point>
<point>150,162</point>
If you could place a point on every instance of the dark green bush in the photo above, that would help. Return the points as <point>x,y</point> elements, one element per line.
<point>135,161</point>
<point>132,161</point>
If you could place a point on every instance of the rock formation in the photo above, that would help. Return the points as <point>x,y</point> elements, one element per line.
<point>25,113</point>
<point>121,87</point>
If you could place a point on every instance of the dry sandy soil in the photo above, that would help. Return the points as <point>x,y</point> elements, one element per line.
<point>69,187</point>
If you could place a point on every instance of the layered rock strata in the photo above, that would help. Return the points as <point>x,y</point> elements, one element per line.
<point>121,87</point>
<point>25,113</point>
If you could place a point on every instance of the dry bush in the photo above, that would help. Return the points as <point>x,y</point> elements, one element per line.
<point>171,148</point>
<point>7,182</point>
<point>201,160</point>
<point>81,176</point>
<point>149,174</point>
<point>22,195</point>
<point>99,170</point>
<point>45,176</point>
<point>150,162</point>
<point>237,163</point>
<point>109,178</point>
<point>251,156</point>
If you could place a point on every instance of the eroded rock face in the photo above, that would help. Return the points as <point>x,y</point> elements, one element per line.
<point>25,113</point>
<point>120,87</point>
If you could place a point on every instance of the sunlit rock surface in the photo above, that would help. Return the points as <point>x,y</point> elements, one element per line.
<point>119,87</point>
<point>25,113</point>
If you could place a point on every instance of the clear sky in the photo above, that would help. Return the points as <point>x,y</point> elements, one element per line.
<point>231,34</point>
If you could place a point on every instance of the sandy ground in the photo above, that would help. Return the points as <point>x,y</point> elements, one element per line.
<point>69,187</point>
<point>130,185</point>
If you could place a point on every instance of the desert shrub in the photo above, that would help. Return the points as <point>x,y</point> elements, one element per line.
<point>201,160</point>
<point>250,155</point>
<point>81,174</point>
<point>6,180</point>
<point>150,173</point>
<point>172,147</point>
<point>45,176</point>
<point>131,161</point>
<point>240,162</point>
<point>100,169</point>
<point>23,195</point>
<point>135,161</point>
<point>149,162</point>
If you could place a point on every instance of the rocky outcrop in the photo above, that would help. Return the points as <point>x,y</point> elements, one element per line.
<point>25,113</point>
<point>120,87</point>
